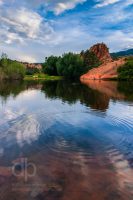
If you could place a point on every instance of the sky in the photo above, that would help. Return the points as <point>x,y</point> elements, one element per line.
<point>30,30</point>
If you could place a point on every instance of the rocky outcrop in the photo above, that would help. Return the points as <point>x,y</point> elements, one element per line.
<point>104,71</point>
<point>32,65</point>
<point>102,52</point>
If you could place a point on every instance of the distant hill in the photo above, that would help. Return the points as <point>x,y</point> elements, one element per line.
<point>128,52</point>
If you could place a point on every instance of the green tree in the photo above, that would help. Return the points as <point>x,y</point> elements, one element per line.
<point>126,71</point>
<point>49,67</point>
<point>70,65</point>
<point>32,71</point>
<point>4,56</point>
<point>90,59</point>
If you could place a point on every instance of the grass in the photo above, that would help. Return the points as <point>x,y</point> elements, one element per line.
<point>42,77</point>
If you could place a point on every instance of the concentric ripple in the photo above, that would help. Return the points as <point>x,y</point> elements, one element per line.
<point>85,147</point>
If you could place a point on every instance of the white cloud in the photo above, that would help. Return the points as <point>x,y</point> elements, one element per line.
<point>102,3</point>
<point>26,58</point>
<point>119,40</point>
<point>57,6</point>
<point>27,35</point>
<point>62,5</point>
<point>1,2</point>
<point>21,24</point>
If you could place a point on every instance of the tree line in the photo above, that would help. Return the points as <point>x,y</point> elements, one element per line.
<point>70,65</point>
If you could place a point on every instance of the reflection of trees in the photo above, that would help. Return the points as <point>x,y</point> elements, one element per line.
<point>73,92</point>
<point>94,94</point>
<point>11,88</point>
<point>126,88</point>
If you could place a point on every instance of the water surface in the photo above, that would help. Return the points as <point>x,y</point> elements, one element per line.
<point>77,137</point>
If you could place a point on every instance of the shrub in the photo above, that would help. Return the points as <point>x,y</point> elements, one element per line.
<point>11,69</point>
<point>32,71</point>
<point>126,71</point>
<point>90,59</point>
<point>70,65</point>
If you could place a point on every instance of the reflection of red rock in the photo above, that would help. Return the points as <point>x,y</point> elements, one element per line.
<point>104,71</point>
<point>102,52</point>
<point>5,171</point>
<point>108,88</point>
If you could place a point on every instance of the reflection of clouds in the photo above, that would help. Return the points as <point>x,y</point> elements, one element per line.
<point>28,94</point>
<point>123,170</point>
<point>27,131</point>
<point>9,114</point>
<point>121,109</point>
<point>22,128</point>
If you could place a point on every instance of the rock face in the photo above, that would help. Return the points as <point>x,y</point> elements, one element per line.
<point>104,71</point>
<point>102,52</point>
<point>32,65</point>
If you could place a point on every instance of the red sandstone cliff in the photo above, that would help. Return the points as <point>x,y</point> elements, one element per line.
<point>108,68</point>
<point>104,71</point>
<point>102,52</point>
<point>32,65</point>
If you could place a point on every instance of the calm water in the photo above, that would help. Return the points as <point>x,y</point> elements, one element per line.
<point>66,141</point>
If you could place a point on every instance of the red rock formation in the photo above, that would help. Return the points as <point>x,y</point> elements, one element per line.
<point>32,65</point>
<point>102,52</point>
<point>104,71</point>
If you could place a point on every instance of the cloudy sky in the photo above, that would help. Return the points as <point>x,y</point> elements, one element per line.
<point>30,30</point>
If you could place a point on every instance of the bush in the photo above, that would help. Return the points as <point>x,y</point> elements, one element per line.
<point>49,67</point>
<point>126,71</point>
<point>90,59</point>
<point>70,65</point>
<point>11,69</point>
<point>32,71</point>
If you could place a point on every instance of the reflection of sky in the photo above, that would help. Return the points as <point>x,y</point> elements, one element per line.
<point>30,114</point>
<point>32,123</point>
<point>22,117</point>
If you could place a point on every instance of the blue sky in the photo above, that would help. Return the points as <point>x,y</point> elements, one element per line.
<point>30,30</point>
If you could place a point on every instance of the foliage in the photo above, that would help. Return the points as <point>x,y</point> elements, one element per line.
<point>32,71</point>
<point>49,67</point>
<point>126,71</point>
<point>126,87</point>
<point>11,69</point>
<point>70,65</point>
<point>4,56</point>
<point>90,59</point>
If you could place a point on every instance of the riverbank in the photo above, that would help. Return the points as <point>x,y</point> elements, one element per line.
<point>42,77</point>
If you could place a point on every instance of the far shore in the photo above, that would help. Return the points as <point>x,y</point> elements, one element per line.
<point>42,77</point>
